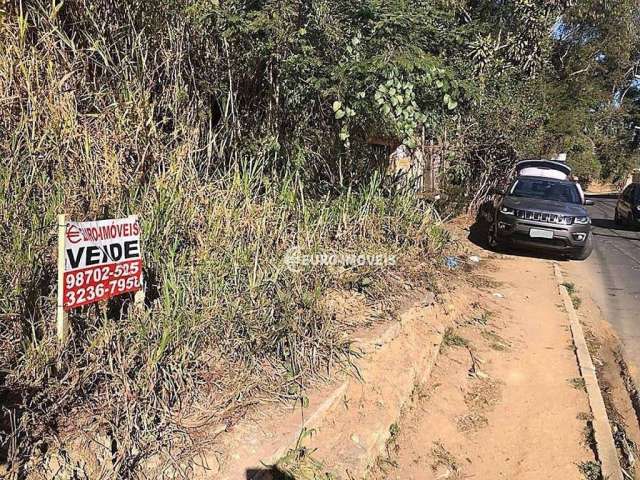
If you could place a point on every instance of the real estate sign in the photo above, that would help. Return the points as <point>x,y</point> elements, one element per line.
<point>102,259</point>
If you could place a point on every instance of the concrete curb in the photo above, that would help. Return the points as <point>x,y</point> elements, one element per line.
<point>605,446</point>
<point>598,194</point>
<point>350,420</point>
<point>313,422</point>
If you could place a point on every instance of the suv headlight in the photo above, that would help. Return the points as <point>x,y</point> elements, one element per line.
<point>582,220</point>
<point>507,211</point>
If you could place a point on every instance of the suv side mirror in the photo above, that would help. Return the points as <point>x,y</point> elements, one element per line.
<point>589,202</point>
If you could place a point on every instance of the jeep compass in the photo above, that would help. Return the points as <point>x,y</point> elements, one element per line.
<point>542,208</point>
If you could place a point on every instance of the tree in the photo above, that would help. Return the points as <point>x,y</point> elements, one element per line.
<point>595,62</point>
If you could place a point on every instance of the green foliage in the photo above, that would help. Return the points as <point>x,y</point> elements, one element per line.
<point>239,130</point>
<point>396,100</point>
<point>217,126</point>
<point>584,163</point>
<point>539,95</point>
<point>595,60</point>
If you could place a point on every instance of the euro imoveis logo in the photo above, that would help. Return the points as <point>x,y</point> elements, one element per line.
<point>294,259</point>
<point>73,234</point>
<point>76,234</point>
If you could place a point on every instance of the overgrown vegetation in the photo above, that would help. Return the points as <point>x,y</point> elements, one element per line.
<point>573,294</point>
<point>238,131</point>
<point>594,93</point>
<point>452,339</point>
<point>105,119</point>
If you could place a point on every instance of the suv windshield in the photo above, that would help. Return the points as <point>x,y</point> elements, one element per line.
<point>546,190</point>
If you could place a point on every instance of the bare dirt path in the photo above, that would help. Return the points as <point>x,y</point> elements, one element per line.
<point>505,400</point>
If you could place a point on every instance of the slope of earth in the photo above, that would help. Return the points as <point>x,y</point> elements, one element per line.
<point>505,399</point>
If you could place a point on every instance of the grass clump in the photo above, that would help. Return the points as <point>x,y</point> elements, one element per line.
<point>496,342</point>
<point>590,470</point>
<point>570,286</point>
<point>578,383</point>
<point>576,301</point>
<point>571,289</point>
<point>445,464</point>
<point>299,464</point>
<point>452,339</point>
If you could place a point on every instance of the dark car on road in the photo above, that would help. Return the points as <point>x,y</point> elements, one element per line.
<point>628,206</point>
<point>543,209</point>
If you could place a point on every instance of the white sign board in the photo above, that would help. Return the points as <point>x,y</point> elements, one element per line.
<point>102,259</point>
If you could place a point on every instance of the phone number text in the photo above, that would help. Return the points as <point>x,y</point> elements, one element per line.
<point>92,284</point>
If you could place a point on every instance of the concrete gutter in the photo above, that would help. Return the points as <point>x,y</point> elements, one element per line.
<point>605,446</point>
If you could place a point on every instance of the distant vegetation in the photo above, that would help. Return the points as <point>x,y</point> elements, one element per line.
<point>238,130</point>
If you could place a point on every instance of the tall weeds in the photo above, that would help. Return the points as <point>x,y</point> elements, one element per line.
<point>109,115</point>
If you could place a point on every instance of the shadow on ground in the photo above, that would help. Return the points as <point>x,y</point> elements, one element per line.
<point>478,231</point>
<point>267,474</point>
<point>616,236</point>
<point>606,223</point>
<point>609,224</point>
<point>478,236</point>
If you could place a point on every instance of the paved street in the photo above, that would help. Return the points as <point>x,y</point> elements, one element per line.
<point>612,274</point>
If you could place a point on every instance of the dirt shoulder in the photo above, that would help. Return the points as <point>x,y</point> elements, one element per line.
<point>505,399</point>
<point>599,187</point>
<point>616,375</point>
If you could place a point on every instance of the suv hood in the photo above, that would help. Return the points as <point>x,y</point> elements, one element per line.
<point>546,206</point>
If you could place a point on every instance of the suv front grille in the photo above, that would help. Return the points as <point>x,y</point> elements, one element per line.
<point>544,217</point>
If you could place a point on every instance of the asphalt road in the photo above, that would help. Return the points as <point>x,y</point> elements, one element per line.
<point>614,271</point>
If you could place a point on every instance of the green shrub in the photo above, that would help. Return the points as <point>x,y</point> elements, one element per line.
<point>112,122</point>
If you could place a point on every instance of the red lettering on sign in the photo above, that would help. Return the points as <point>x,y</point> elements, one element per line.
<point>108,232</point>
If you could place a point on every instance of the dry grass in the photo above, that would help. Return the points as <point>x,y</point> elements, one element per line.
<point>471,422</point>
<point>96,130</point>
<point>483,395</point>
<point>496,342</point>
<point>445,465</point>
<point>299,464</point>
<point>452,339</point>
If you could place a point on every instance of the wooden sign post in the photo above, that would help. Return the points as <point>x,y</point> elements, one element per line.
<point>61,315</point>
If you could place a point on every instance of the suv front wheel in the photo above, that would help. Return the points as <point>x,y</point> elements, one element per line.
<point>584,252</point>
